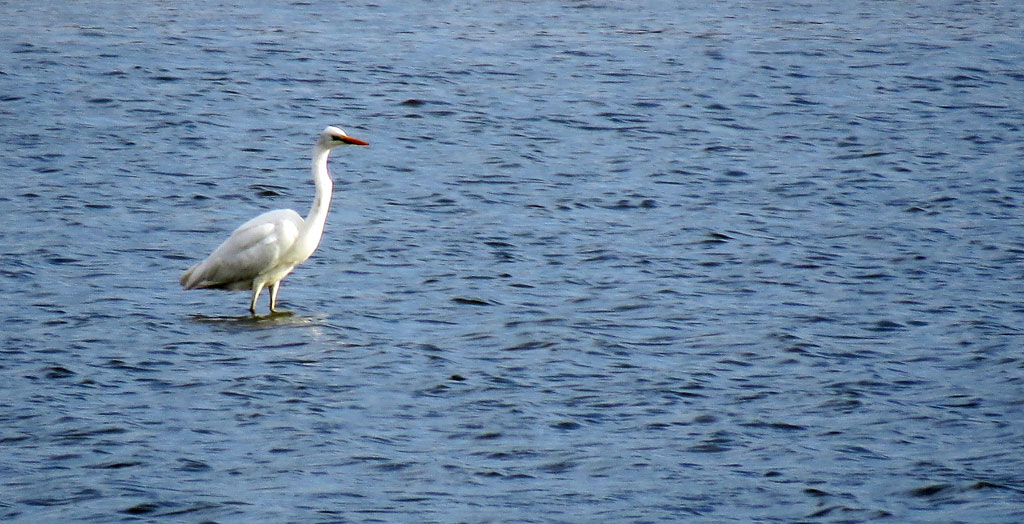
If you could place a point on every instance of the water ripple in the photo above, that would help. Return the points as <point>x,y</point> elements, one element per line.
<point>601,263</point>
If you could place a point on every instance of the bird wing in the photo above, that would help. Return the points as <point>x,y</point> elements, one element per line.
<point>254,248</point>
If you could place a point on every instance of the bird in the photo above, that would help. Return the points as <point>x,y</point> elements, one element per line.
<point>264,250</point>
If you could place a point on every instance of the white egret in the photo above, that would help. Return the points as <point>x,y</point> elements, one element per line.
<point>265,249</point>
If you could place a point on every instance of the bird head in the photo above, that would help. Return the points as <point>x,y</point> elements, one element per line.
<point>335,136</point>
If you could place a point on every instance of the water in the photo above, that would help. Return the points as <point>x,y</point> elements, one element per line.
<point>603,262</point>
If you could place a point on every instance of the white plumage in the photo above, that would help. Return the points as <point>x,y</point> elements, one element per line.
<point>265,249</point>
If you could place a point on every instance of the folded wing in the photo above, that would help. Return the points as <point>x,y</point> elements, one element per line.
<point>255,248</point>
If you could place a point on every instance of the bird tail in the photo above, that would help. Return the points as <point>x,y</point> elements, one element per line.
<point>187,281</point>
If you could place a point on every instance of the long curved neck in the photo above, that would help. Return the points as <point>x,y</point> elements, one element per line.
<point>324,188</point>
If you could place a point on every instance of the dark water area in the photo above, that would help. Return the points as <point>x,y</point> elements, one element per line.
<point>602,262</point>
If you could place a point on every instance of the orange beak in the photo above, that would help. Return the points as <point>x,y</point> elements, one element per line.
<point>354,141</point>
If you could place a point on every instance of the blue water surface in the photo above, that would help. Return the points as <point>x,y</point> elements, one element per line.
<point>602,262</point>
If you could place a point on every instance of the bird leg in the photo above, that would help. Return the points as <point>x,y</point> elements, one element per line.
<point>273,295</point>
<point>255,296</point>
